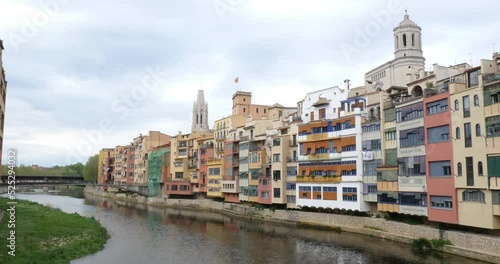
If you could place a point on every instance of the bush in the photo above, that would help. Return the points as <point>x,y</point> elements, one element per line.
<point>439,243</point>
<point>421,244</point>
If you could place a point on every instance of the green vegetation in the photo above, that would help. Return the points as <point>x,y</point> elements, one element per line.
<point>69,170</point>
<point>439,243</point>
<point>319,227</point>
<point>374,228</point>
<point>47,235</point>
<point>421,244</point>
<point>90,170</point>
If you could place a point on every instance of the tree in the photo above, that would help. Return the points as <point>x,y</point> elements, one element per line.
<point>91,169</point>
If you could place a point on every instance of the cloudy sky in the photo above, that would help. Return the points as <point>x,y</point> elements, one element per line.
<point>83,75</point>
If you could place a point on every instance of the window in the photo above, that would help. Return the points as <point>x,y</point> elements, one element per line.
<point>329,189</point>
<point>290,186</point>
<point>411,166</point>
<point>438,134</point>
<point>257,109</point>
<point>349,194</point>
<point>459,169</point>
<point>179,175</point>
<point>276,175</point>
<point>390,135</point>
<point>265,195</point>
<point>349,148</point>
<point>413,39</point>
<point>371,128</point>
<point>480,168</point>
<point>466,107</point>
<point>410,112</point>
<point>372,189</point>
<point>411,137</point>
<point>473,196</point>
<point>457,133</point>
<point>469,167</point>
<point>276,157</point>
<point>174,187</point>
<point>404,40</point>
<point>413,199</point>
<point>437,107</point>
<point>291,171</point>
<point>290,199</point>
<point>277,193</point>
<point>440,168</point>
<point>468,135</point>
<point>476,100</point>
<point>441,202</point>
<point>473,78</point>
<point>244,109</point>
<point>264,113</point>
<point>457,105</point>
<point>388,198</point>
<point>184,187</point>
<point>369,145</point>
<point>370,167</point>
<point>213,171</point>
<point>478,130</point>
<point>493,126</point>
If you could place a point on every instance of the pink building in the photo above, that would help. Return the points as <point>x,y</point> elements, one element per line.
<point>441,196</point>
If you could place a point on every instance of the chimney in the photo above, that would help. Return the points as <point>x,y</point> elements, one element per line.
<point>347,83</point>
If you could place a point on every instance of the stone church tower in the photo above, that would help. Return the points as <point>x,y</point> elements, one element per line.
<point>200,114</point>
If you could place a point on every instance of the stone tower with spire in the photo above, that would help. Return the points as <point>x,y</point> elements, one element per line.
<point>200,114</point>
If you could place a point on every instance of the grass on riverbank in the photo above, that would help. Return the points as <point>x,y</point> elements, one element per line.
<point>48,235</point>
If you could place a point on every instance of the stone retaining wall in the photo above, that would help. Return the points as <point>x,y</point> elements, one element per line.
<point>478,246</point>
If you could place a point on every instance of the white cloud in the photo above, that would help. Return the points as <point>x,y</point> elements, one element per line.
<point>63,81</point>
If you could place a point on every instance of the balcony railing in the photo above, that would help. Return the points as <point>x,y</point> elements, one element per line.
<point>491,77</point>
<point>244,138</point>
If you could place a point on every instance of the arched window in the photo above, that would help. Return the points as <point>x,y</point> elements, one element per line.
<point>457,133</point>
<point>413,40</point>
<point>476,100</point>
<point>397,42</point>
<point>404,40</point>
<point>478,130</point>
<point>480,168</point>
<point>457,106</point>
<point>459,169</point>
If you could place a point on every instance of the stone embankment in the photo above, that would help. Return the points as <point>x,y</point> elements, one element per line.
<point>476,246</point>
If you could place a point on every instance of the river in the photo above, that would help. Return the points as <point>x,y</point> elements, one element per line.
<point>146,234</point>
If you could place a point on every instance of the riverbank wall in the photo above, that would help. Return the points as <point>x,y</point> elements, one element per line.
<point>475,246</point>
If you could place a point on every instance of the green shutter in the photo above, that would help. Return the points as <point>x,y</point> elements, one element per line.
<point>494,166</point>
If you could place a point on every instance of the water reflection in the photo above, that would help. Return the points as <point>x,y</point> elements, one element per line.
<point>147,234</point>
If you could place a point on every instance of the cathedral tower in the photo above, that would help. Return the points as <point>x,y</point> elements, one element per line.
<point>200,114</point>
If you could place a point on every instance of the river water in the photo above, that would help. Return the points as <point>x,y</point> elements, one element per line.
<point>145,234</point>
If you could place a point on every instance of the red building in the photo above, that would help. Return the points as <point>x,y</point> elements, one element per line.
<point>441,195</point>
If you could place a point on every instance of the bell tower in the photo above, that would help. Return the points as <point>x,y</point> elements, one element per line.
<point>200,114</point>
<point>407,39</point>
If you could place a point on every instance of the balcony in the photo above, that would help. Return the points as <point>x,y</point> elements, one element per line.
<point>219,150</point>
<point>412,183</point>
<point>496,209</point>
<point>236,163</point>
<point>291,160</point>
<point>244,138</point>
<point>490,77</point>
<point>325,179</point>
<point>293,143</point>
<point>387,207</point>
<point>220,138</point>
<point>236,151</point>
<point>320,156</point>
<point>369,179</point>
<point>370,197</point>
<point>413,210</point>
<point>214,162</point>
<point>230,185</point>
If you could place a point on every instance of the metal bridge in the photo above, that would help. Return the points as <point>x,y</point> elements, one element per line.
<point>25,182</point>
